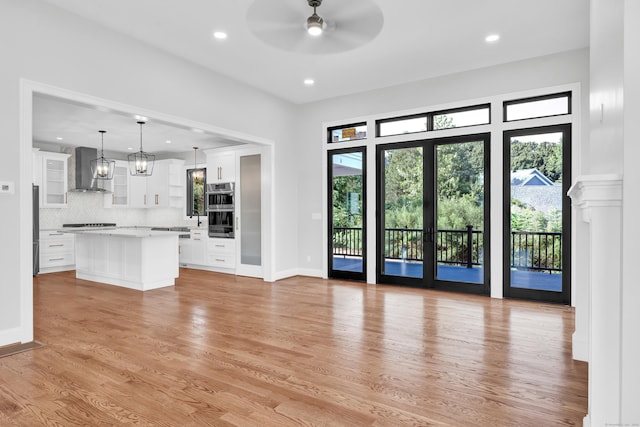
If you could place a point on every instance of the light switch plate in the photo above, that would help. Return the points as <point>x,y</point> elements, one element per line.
<point>7,187</point>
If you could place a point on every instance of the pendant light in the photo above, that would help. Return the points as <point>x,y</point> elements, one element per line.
<point>141,163</point>
<point>102,168</point>
<point>197,173</point>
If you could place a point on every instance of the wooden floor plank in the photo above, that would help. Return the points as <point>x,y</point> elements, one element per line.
<point>226,350</point>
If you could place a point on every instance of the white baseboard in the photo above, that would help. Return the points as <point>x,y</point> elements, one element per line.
<point>10,336</point>
<point>279,275</point>
<point>311,272</point>
<point>579,348</point>
<point>586,421</point>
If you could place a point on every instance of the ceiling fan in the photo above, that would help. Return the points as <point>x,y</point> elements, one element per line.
<point>334,26</point>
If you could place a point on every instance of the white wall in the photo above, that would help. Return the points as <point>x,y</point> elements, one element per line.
<point>606,86</point>
<point>47,45</point>
<point>520,76</point>
<point>630,410</point>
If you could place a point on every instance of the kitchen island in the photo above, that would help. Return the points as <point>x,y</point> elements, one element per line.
<point>135,258</point>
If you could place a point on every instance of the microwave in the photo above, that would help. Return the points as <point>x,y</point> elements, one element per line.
<point>220,197</point>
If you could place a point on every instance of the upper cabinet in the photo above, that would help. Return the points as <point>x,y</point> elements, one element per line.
<point>221,166</point>
<point>118,186</point>
<point>54,179</point>
<point>164,188</point>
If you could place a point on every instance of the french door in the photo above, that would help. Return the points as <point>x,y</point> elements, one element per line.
<point>347,213</point>
<point>433,213</point>
<point>537,214</point>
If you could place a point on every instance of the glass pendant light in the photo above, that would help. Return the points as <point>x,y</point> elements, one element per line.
<point>197,173</point>
<point>141,163</point>
<point>102,168</point>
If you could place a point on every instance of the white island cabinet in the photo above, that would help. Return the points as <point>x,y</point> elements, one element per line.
<point>139,259</point>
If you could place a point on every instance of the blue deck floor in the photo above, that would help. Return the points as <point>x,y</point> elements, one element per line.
<point>519,279</point>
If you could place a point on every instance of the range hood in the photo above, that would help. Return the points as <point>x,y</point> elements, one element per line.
<point>85,180</point>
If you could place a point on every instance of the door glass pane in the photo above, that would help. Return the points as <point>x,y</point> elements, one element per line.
<point>403,214</point>
<point>250,214</point>
<point>459,236</point>
<point>536,212</point>
<point>347,221</point>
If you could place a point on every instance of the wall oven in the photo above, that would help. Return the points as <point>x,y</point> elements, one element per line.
<point>221,209</point>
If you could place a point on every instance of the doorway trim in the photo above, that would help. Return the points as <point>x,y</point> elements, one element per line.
<point>28,88</point>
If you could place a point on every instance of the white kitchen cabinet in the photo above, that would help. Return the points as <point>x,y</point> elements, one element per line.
<point>54,179</point>
<point>57,251</point>
<point>137,191</point>
<point>194,249</point>
<point>158,185</point>
<point>118,186</point>
<point>221,166</point>
<point>221,253</point>
<point>163,188</point>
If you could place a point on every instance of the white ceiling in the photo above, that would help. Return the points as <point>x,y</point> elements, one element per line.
<point>78,124</point>
<point>419,39</point>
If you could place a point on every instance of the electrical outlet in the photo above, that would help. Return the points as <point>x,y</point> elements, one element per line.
<point>308,258</point>
<point>7,187</point>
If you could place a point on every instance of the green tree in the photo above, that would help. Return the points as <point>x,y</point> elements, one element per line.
<point>347,201</point>
<point>544,156</point>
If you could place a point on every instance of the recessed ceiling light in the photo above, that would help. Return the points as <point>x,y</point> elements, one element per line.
<point>196,130</point>
<point>220,35</point>
<point>492,38</point>
<point>141,118</point>
<point>309,82</point>
<point>168,141</point>
<point>59,138</point>
<point>129,148</point>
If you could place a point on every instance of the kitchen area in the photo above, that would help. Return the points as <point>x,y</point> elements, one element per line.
<point>196,202</point>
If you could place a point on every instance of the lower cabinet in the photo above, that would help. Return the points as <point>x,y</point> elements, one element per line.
<point>206,253</point>
<point>221,253</point>
<point>57,251</point>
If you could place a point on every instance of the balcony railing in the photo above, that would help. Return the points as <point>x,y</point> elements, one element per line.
<point>535,251</point>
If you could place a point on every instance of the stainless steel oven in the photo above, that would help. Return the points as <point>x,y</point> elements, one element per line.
<point>221,209</point>
<point>220,196</point>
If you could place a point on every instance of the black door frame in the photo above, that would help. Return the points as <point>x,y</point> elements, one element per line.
<point>343,274</point>
<point>429,209</point>
<point>563,297</point>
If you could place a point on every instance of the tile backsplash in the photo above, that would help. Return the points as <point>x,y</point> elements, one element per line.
<point>89,207</point>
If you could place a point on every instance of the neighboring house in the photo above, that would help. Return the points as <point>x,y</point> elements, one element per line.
<point>527,177</point>
<point>533,188</point>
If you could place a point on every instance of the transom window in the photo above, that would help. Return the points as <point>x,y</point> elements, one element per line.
<point>536,107</point>
<point>435,120</point>
<point>344,133</point>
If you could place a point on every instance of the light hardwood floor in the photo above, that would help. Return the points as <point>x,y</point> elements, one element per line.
<point>224,350</point>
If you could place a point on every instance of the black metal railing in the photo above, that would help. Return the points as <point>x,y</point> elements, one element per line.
<point>460,247</point>
<point>535,251</point>
<point>347,241</point>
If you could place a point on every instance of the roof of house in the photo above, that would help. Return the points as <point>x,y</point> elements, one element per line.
<point>532,176</point>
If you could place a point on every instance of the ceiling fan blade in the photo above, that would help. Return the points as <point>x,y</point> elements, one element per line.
<point>282,24</point>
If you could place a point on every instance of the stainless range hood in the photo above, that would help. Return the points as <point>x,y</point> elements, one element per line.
<point>85,180</point>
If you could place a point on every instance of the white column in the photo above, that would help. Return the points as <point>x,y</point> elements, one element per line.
<point>598,198</point>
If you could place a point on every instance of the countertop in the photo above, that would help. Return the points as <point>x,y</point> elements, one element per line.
<point>125,232</point>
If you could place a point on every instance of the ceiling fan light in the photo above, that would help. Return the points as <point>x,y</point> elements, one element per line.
<point>314,25</point>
